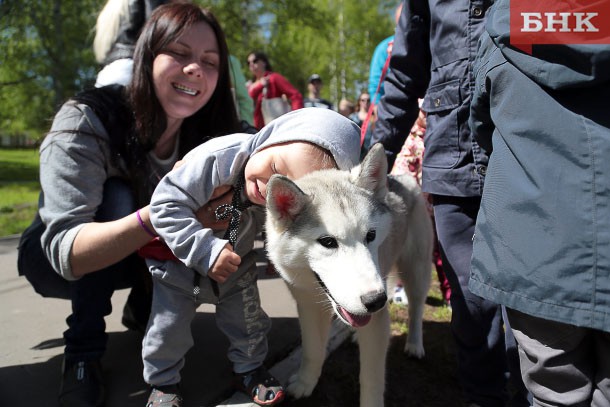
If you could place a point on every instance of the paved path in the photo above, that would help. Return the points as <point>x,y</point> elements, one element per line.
<point>31,346</point>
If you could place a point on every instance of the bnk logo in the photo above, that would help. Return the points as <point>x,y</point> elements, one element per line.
<point>559,22</point>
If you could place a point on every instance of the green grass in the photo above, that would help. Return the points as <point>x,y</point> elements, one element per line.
<point>435,309</point>
<point>19,188</point>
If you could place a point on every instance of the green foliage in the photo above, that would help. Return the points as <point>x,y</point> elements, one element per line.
<point>45,56</point>
<point>46,48</point>
<point>335,39</point>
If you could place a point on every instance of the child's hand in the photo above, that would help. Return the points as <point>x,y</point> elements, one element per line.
<point>225,265</point>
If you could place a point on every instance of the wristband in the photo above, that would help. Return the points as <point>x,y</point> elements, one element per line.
<point>146,228</point>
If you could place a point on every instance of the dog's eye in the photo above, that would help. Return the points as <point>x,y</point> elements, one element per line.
<point>370,236</point>
<point>328,242</point>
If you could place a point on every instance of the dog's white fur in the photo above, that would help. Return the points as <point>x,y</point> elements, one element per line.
<point>334,237</point>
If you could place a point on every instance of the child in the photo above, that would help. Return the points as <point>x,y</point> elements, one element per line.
<point>223,271</point>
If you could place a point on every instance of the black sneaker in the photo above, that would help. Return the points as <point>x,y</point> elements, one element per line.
<point>82,384</point>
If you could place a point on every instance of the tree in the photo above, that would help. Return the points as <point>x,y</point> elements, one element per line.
<point>46,48</point>
<point>45,56</point>
<point>335,39</point>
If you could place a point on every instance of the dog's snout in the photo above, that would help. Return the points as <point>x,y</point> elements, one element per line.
<point>374,301</point>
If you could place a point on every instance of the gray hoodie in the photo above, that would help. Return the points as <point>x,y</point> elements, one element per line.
<point>219,162</point>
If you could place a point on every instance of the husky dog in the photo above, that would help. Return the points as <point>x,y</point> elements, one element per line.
<point>334,237</point>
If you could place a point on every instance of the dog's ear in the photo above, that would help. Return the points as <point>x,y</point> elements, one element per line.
<point>373,171</point>
<point>285,200</point>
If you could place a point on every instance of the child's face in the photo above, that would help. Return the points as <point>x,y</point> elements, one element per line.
<point>293,160</point>
<point>185,73</point>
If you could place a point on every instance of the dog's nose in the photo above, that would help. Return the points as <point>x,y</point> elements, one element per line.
<point>374,301</point>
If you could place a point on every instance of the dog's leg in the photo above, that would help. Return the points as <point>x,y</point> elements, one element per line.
<point>415,270</point>
<point>315,327</point>
<point>416,280</point>
<point>373,342</point>
<point>416,276</point>
<point>414,345</point>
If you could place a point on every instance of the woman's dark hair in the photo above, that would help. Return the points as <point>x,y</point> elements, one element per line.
<point>218,117</point>
<point>261,56</point>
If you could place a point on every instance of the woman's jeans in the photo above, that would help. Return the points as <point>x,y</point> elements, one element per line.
<point>86,337</point>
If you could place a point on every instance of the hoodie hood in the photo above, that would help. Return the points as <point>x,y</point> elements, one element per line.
<point>552,66</point>
<point>322,127</point>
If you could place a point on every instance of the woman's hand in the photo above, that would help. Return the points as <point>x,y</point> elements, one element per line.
<point>207,213</point>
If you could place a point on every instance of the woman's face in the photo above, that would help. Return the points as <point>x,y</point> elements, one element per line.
<point>365,101</point>
<point>256,66</point>
<point>293,160</point>
<point>185,73</point>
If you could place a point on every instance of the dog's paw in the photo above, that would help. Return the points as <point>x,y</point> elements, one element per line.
<point>414,351</point>
<point>297,387</point>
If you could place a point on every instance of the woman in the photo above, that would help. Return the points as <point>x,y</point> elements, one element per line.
<point>105,153</point>
<point>359,117</point>
<point>275,84</point>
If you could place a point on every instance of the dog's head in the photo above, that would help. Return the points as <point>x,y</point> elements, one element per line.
<point>324,232</point>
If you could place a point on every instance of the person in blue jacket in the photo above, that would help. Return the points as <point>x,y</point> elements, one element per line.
<point>434,46</point>
<point>542,241</point>
<point>378,61</point>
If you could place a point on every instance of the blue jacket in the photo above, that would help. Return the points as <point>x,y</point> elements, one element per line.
<point>380,55</point>
<point>542,239</point>
<point>434,46</point>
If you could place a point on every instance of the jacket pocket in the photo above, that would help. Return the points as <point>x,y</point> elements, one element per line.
<point>442,140</point>
<point>444,96</point>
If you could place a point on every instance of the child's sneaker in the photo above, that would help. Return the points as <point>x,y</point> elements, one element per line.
<point>264,389</point>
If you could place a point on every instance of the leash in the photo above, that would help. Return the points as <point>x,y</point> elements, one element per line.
<point>234,210</point>
<point>365,124</point>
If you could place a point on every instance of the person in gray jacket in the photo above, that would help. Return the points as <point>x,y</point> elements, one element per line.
<point>542,240</point>
<point>105,153</point>
<point>222,270</point>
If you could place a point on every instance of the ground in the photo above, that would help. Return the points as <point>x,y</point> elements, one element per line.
<point>430,382</point>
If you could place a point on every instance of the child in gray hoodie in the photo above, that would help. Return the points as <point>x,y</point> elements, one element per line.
<point>222,270</point>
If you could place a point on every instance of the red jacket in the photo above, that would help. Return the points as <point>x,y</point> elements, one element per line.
<point>277,86</point>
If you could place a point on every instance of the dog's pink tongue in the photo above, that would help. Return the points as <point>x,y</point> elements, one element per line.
<point>355,320</point>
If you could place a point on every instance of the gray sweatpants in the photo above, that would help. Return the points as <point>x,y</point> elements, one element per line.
<point>238,315</point>
<point>562,365</point>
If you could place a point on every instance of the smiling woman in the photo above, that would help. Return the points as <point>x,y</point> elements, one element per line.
<point>185,74</point>
<point>104,155</point>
